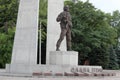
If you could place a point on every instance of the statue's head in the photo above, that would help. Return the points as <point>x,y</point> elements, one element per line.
<point>66,8</point>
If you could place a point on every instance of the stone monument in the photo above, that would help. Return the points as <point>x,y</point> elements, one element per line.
<point>24,56</point>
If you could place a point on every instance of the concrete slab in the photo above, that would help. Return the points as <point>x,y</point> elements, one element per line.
<point>26,35</point>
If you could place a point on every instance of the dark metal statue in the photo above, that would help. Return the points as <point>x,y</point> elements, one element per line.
<point>65,23</point>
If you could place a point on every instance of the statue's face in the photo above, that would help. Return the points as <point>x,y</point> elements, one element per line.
<point>66,8</point>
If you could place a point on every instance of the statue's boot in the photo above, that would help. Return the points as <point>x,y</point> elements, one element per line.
<point>57,49</point>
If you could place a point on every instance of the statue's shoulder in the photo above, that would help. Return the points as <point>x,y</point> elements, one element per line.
<point>62,13</point>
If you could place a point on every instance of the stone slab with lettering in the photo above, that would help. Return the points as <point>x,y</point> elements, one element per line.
<point>29,69</point>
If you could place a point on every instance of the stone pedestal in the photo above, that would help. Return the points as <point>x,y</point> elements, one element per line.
<point>60,62</point>
<point>29,69</point>
<point>63,58</point>
<point>24,56</point>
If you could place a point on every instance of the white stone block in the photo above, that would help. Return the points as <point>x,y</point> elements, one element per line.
<point>63,58</point>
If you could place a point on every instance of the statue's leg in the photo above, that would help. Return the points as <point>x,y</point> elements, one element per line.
<point>62,35</point>
<point>68,38</point>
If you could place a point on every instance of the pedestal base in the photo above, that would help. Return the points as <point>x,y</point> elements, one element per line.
<point>29,69</point>
<point>60,62</point>
<point>63,58</point>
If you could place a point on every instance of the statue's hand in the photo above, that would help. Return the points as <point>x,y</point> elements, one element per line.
<point>70,23</point>
<point>58,19</point>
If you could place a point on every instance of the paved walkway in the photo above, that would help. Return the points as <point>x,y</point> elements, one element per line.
<point>63,78</point>
<point>117,77</point>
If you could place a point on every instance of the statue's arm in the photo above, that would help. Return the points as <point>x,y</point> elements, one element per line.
<point>70,21</point>
<point>58,19</point>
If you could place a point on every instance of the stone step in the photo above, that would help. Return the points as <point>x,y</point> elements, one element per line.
<point>73,74</point>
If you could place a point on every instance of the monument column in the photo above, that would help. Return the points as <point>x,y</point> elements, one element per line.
<point>53,28</point>
<point>26,35</point>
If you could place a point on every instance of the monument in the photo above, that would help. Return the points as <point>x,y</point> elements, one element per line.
<point>24,56</point>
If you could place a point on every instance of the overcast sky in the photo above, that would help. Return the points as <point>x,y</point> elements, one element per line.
<point>107,6</point>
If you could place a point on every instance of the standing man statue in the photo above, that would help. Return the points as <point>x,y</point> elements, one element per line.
<point>65,23</point>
